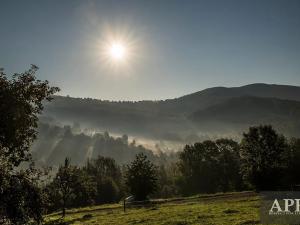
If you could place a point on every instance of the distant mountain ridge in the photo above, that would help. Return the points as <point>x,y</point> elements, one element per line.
<point>258,89</point>
<point>211,96</point>
<point>248,110</point>
<point>213,110</point>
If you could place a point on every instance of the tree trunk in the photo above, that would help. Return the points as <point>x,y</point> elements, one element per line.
<point>64,209</point>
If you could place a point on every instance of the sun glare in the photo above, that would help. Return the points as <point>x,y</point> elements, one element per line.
<point>117,51</point>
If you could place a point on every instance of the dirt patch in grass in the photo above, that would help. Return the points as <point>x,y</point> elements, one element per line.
<point>230,211</point>
<point>205,216</point>
<point>87,216</point>
<point>250,222</point>
<point>179,223</point>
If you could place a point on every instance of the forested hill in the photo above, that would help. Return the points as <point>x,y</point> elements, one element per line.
<point>211,96</point>
<point>248,110</point>
<point>55,143</point>
<point>192,115</point>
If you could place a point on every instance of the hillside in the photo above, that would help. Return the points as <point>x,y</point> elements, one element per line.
<point>174,119</point>
<point>241,112</point>
<point>55,143</point>
<point>160,125</point>
<point>212,96</point>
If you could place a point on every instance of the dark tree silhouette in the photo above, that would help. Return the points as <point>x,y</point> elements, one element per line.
<point>21,101</point>
<point>263,157</point>
<point>210,166</point>
<point>107,175</point>
<point>141,177</point>
<point>198,165</point>
<point>62,185</point>
<point>229,165</point>
<point>71,187</point>
<point>293,172</point>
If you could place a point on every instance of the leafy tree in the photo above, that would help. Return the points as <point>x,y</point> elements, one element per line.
<point>21,101</point>
<point>107,175</point>
<point>71,187</point>
<point>263,157</point>
<point>197,164</point>
<point>166,179</point>
<point>108,191</point>
<point>84,188</point>
<point>103,167</point>
<point>210,166</point>
<point>21,197</point>
<point>61,189</point>
<point>141,177</point>
<point>229,175</point>
<point>293,174</point>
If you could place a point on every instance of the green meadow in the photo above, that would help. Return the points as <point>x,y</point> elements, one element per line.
<point>224,209</point>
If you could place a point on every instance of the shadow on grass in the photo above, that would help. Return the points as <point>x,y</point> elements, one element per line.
<point>61,221</point>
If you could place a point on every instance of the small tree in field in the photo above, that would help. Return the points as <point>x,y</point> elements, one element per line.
<point>141,177</point>
<point>62,185</point>
<point>71,187</point>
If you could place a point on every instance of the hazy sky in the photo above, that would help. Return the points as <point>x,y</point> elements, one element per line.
<point>176,47</point>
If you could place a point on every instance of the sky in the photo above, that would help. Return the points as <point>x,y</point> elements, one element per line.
<point>174,47</point>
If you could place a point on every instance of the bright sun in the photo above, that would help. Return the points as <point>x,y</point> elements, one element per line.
<point>117,51</point>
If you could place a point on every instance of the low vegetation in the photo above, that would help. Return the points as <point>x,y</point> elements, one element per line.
<point>225,209</point>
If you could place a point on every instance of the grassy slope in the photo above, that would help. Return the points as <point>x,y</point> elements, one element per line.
<point>238,208</point>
